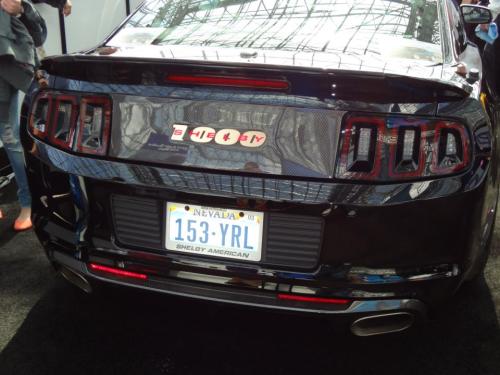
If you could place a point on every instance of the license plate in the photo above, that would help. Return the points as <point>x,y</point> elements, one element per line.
<point>218,232</point>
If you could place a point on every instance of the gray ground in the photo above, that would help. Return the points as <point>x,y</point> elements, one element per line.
<point>48,327</point>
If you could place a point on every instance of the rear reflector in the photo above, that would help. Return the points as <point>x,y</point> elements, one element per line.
<point>118,272</point>
<point>268,84</point>
<point>333,301</point>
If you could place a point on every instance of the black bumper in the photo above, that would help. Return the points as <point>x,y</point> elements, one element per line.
<point>242,296</point>
<point>381,244</point>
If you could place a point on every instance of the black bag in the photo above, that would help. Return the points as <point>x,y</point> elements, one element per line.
<point>34,22</point>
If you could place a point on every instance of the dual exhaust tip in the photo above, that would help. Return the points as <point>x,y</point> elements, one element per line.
<point>381,324</point>
<point>367,326</point>
<point>76,279</point>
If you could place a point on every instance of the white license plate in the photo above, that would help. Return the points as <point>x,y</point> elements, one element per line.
<point>218,232</point>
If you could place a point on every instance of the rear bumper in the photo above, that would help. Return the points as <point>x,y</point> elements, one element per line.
<point>383,246</point>
<point>246,297</point>
<point>215,280</point>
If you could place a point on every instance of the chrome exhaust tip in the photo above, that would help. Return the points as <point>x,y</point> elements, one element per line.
<point>76,279</point>
<point>381,324</point>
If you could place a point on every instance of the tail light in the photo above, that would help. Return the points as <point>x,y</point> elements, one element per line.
<point>65,113</point>
<point>40,115</point>
<point>79,123</point>
<point>395,148</point>
<point>309,299</point>
<point>95,120</point>
<point>117,272</point>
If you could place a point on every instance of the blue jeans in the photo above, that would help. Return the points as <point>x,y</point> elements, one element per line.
<point>9,135</point>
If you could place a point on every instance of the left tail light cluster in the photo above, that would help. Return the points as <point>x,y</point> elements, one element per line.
<point>79,123</point>
<point>378,148</point>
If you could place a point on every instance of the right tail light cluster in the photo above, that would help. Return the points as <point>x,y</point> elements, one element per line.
<point>396,148</point>
<point>79,123</point>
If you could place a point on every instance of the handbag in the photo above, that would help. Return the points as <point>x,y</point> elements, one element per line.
<point>34,23</point>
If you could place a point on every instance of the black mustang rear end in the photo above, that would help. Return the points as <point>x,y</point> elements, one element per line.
<point>207,151</point>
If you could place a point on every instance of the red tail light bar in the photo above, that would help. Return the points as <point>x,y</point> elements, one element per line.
<point>376,148</point>
<point>80,123</point>
<point>308,299</point>
<point>117,272</point>
<point>242,82</point>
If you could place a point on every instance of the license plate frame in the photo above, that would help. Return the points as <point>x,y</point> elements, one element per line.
<point>221,228</point>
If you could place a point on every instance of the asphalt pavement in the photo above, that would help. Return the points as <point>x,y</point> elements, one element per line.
<point>49,327</point>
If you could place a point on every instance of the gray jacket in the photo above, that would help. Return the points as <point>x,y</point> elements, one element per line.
<point>17,55</point>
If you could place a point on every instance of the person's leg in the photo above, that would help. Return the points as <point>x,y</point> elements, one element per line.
<point>9,134</point>
<point>4,111</point>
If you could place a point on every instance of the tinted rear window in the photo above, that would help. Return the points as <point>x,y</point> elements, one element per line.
<point>400,29</point>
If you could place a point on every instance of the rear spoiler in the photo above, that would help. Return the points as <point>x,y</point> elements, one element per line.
<point>372,87</point>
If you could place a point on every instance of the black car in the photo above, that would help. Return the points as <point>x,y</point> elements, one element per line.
<point>5,169</point>
<point>326,156</point>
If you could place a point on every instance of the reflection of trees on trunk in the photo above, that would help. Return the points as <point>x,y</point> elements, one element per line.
<point>181,11</point>
<point>423,22</point>
<point>291,25</point>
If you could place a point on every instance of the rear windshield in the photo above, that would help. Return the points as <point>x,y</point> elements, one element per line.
<point>394,28</point>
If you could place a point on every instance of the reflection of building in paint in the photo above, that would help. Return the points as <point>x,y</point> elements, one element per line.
<point>87,167</point>
<point>300,142</point>
<point>146,126</point>
<point>401,29</point>
<point>307,140</point>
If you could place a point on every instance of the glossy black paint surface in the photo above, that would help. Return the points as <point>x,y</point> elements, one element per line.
<point>416,239</point>
<point>4,163</point>
<point>304,81</point>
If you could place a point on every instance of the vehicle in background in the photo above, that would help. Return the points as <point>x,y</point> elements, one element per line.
<point>6,174</point>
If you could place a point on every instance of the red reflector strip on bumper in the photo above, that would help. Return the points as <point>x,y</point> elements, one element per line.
<point>334,301</point>
<point>118,272</point>
<point>229,81</point>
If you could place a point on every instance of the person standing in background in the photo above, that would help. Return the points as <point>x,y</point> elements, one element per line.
<point>491,59</point>
<point>65,6</point>
<point>18,59</point>
<point>21,29</point>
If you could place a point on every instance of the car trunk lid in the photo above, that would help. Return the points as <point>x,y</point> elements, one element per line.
<point>237,128</point>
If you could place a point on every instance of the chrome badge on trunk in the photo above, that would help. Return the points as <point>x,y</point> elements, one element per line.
<point>223,137</point>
